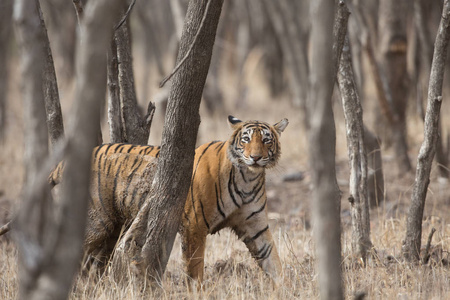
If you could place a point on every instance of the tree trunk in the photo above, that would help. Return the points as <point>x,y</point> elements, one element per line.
<point>51,94</point>
<point>33,219</point>
<point>148,242</point>
<point>322,136</point>
<point>50,236</point>
<point>114,112</point>
<point>425,57</point>
<point>5,42</point>
<point>136,129</point>
<point>412,244</point>
<point>353,113</point>
<point>393,46</point>
<point>61,21</point>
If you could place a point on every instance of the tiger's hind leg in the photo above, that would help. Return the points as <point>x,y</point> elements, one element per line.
<point>193,250</point>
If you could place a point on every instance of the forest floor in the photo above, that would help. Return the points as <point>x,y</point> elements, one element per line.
<point>230,272</point>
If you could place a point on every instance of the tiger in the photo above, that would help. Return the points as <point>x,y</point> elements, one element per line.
<point>227,190</point>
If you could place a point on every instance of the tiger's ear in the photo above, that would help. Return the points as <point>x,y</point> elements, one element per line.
<point>281,126</point>
<point>233,122</point>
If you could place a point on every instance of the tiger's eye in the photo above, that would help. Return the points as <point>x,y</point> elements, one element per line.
<point>246,139</point>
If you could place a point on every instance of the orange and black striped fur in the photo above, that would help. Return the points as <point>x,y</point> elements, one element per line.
<point>227,190</point>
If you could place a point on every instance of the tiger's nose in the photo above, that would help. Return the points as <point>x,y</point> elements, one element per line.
<point>255,157</point>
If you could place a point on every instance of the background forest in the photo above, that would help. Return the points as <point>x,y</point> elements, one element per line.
<point>260,70</point>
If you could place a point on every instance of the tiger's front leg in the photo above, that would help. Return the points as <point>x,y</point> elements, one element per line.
<point>258,239</point>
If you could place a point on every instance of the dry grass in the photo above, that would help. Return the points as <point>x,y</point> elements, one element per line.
<point>230,272</point>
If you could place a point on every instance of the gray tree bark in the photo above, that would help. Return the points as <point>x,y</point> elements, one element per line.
<point>114,111</point>
<point>412,243</point>
<point>61,22</point>
<point>124,117</point>
<point>50,236</point>
<point>425,57</point>
<point>5,39</point>
<point>149,240</point>
<point>136,128</point>
<point>322,136</point>
<point>33,218</point>
<point>358,198</point>
<point>51,94</point>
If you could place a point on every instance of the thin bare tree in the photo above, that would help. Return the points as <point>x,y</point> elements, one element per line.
<point>135,127</point>
<point>358,198</point>
<point>50,234</point>
<point>5,39</point>
<point>412,243</point>
<point>322,138</point>
<point>148,242</point>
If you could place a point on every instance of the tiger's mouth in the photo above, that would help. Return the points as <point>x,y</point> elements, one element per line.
<point>259,163</point>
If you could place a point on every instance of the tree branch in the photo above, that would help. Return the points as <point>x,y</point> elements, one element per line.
<point>182,61</point>
<point>411,247</point>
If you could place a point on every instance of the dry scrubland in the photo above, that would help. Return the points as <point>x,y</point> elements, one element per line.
<point>230,271</point>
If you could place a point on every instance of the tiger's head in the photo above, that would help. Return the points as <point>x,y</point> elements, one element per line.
<point>255,144</point>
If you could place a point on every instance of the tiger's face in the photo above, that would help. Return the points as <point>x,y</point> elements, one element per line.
<point>254,143</point>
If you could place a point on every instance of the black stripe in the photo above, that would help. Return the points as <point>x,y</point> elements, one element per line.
<point>243,176</point>
<point>217,201</point>
<point>142,150</point>
<point>264,252</point>
<point>220,146</point>
<point>131,148</point>
<point>230,191</point>
<point>105,154</point>
<point>157,154</point>
<point>192,183</point>
<point>149,150</point>
<point>259,233</point>
<point>259,198</point>
<point>132,197</point>
<point>254,192</point>
<point>218,180</point>
<point>130,177</point>
<point>109,167</point>
<point>267,254</point>
<point>258,211</point>
<point>120,148</point>
<point>203,213</point>
<point>107,149</point>
<point>256,177</point>
<point>96,151</point>
<point>115,184</point>
<point>117,146</point>
<point>100,198</point>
